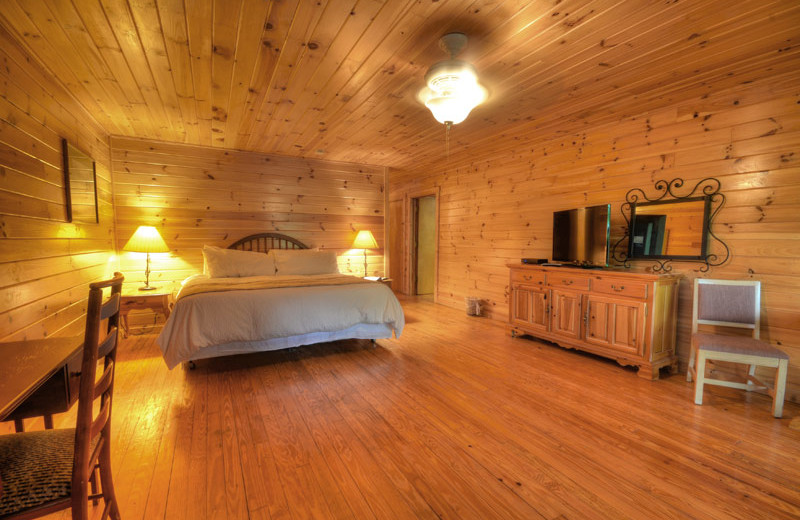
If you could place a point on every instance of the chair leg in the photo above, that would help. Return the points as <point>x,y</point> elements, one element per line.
<point>19,426</point>
<point>751,373</point>
<point>700,376</point>
<point>780,387</point>
<point>48,422</point>
<point>691,365</point>
<point>106,483</point>
<point>80,503</point>
<point>93,483</point>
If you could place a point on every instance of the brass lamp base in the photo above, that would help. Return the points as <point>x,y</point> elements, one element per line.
<point>147,288</point>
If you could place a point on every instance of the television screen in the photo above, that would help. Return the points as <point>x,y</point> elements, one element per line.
<point>580,236</point>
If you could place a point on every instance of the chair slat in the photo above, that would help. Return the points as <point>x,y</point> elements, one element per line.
<point>105,381</point>
<point>96,452</point>
<point>108,343</point>
<point>110,307</point>
<point>101,419</point>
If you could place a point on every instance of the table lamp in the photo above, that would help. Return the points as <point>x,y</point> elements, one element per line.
<point>146,239</point>
<point>364,240</point>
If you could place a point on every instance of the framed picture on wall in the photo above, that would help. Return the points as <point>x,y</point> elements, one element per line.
<point>80,185</point>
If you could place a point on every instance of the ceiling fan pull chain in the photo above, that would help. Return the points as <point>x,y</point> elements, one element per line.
<point>447,127</point>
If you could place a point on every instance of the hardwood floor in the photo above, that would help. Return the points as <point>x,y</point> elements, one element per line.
<point>454,420</point>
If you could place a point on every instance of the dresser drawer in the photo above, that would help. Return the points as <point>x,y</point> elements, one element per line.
<point>568,281</point>
<point>619,287</point>
<point>524,277</point>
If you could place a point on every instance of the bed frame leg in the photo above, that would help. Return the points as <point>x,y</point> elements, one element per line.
<point>189,365</point>
<point>374,343</point>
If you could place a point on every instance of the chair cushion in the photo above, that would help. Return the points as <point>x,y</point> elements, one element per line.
<point>736,345</point>
<point>36,468</point>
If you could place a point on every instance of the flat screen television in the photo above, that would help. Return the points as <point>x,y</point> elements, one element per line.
<point>580,236</point>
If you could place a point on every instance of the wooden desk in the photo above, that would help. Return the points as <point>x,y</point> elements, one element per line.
<point>39,377</point>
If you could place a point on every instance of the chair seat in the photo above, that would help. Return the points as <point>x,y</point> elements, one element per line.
<point>36,468</point>
<point>736,345</point>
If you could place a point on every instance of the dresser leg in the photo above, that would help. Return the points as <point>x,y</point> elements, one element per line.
<point>648,372</point>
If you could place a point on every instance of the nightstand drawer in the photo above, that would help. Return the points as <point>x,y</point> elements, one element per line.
<point>155,301</point>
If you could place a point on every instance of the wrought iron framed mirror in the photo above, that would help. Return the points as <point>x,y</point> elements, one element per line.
<point>672,227</point>
<point>80,185</point>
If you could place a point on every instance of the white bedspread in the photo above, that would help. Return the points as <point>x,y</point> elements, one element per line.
<point>251,320</point>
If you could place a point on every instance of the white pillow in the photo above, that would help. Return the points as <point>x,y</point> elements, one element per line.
<point>304,261</point>
<point>226,263</point>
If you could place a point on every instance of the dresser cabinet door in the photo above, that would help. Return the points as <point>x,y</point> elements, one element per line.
<point>530,309</point>
<point>566,314</point>
<point>615,323</point>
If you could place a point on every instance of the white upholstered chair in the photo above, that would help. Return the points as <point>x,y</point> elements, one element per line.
<point>732,303</point>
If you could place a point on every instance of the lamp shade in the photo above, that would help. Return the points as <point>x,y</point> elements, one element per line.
<point>365,240</point>
<point>146,239</point>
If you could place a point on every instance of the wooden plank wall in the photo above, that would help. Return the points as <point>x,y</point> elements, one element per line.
<point>201,195</point>
<point>46,263</point>
<point>497,201</point>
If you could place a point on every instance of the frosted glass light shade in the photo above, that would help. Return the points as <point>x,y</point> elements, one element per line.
<point>146,239</point>
<point>365,240</point>
<point>453,91</point>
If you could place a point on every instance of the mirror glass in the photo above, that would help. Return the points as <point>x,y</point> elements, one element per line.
<point>669,229</point>
<point>80,183</point>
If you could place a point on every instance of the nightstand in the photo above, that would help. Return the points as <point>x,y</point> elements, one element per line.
<point>158,300</point>
<point>384,281</point>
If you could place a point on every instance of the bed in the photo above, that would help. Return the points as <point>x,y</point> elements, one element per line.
<point>284,296</point>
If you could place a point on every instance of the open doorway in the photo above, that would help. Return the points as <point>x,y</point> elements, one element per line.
<point>423,252</point>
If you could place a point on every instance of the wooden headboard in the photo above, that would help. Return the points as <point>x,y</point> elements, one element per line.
<point>263,242</point>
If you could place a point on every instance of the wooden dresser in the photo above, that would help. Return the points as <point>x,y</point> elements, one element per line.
<point>623,315</point>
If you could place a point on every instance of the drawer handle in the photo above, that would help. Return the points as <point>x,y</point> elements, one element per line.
<point>567,282</point>
<point>527,277</point>
<point>620,288</point>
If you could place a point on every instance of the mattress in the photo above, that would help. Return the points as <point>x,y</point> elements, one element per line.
<point>236,320</point>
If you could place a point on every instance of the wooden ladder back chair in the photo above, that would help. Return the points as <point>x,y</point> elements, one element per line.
<point>50,470</point>
<point>736,304</point>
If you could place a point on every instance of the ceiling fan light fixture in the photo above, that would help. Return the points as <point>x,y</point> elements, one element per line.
<point>452,89</point>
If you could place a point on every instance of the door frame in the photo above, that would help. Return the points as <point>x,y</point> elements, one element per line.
<point>408,244</point>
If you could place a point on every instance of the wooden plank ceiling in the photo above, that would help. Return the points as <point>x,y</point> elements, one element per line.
<point>338,79</point>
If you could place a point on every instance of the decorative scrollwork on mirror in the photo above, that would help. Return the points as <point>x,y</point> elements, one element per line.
<point>670,227</point>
